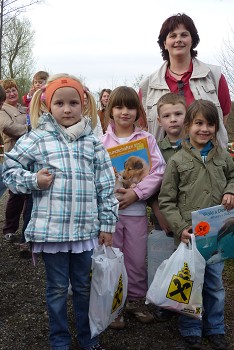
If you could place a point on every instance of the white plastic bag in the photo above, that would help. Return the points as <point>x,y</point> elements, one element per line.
<point>108,288</point>
<point>178,282</point>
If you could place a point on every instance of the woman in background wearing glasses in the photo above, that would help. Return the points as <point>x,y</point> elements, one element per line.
<point>184,74</point>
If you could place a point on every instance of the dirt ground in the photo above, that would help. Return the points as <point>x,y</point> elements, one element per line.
<point>23,316</point>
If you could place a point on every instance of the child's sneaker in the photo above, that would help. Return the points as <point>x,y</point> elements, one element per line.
<point>118,323</point>
<point>193,342</point>
<point>139,310</point>
<point>163,315</point>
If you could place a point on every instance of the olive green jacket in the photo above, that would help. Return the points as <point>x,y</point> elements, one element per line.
<point>190,184</point>
<point>166,148</point>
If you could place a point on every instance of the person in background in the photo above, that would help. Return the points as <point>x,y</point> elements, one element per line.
<point>123,111</point>
<point>69,173</point>
<point>199,175</point>
<point>103,98</point>
<point>12,126</point>
<point>2,186</point>
<point>39,80</point>
<point>185,75</point>
<point>90,111</point>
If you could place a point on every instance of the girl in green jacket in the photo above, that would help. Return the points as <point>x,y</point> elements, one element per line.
<point>199,175</point>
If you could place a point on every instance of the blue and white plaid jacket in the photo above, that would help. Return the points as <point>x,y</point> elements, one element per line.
<point>80,202</point>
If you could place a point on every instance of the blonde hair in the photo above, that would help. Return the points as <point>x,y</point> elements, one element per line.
<point>90,109</point>
<point>37,104</point>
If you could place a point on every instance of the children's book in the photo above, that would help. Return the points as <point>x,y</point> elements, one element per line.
<point>214,230</point>
<point>131,162</point>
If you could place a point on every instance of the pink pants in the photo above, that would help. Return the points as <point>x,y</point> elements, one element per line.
<point>131,238</point>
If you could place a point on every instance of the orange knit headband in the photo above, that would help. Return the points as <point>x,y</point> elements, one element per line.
<point>60,83</point>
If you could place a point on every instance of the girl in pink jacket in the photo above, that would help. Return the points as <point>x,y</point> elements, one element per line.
<point>124,109</point>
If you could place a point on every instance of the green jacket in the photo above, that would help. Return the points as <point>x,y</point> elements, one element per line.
<point>166,148</point>
<point>190,184</point>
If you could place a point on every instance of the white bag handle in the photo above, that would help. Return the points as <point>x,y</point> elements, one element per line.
<point>110,252</point>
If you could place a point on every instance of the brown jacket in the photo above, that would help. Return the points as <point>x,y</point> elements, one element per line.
<point>101,114</point>
<point>12,124</point>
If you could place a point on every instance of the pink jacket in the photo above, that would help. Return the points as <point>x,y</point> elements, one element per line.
<point>152,182</point>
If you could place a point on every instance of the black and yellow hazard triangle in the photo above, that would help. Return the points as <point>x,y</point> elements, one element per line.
<point>180,287</point>
<point>118,296</point>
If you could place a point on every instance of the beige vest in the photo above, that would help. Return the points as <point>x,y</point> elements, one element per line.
<point>12,124</point>
<point>204,84</point>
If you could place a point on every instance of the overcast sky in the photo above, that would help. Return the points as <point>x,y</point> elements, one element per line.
<point>111,43</point>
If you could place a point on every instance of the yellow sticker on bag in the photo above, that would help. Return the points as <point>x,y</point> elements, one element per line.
<point>180,287</point>
<point>118,297</point>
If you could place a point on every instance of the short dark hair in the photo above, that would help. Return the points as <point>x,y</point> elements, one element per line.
<point>41,75</point>
<point>124,96</point>
<point>170,24</point>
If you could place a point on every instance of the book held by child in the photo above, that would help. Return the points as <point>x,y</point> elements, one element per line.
<point>131,162</point>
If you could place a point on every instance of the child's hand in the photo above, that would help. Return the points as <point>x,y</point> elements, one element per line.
<point>31,92</point>
<point>163,222</point>
<point>128,197</point>
<point>44,179</point>
<point>105,238</point>
<point>161,219</point>
<point>185,235</point>
<point>228,201</point>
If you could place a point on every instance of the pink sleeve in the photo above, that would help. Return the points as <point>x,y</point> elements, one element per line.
<point>224,96</point>
<point>152,182</point>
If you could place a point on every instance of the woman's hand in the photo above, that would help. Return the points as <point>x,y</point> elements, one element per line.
<point>44,179</point>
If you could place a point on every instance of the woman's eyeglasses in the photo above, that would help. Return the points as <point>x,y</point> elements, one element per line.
<point>180,85</point>
<point>11,91</point>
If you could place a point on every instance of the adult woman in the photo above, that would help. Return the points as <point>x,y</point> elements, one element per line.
<point>104,97</point>
<point>12,126</point>
<point>2,186</point>
<point>183,73</point>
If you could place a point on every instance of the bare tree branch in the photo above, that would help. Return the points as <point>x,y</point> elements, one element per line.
<point>10,10</point>
<point>226,59</point>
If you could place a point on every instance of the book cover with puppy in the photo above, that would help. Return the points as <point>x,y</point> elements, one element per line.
<point>131,162</point>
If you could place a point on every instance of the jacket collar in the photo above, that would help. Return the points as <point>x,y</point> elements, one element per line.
<point>48,123</point>
<point>111,131</point>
